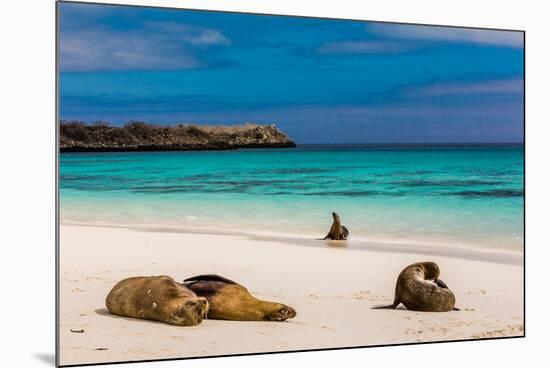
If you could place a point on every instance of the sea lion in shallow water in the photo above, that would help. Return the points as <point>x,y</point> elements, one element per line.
<point>158,298</point>
<point>337,231</point>
<point>231,301</point>
<point>420,289</point>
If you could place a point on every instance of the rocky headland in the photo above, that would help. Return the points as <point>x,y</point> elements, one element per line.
<point>75,136</point>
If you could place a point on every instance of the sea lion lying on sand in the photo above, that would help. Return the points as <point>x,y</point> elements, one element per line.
<point>158,298</point>
<point>420,289</point>
<point>231,301</point>
<point>337,231</point>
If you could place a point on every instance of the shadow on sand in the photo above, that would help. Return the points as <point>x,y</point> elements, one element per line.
<point>105,313</point>
<point>336,243</point>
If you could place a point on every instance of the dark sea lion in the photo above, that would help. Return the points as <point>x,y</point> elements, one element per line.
<point>420,289</point>
<point>158,298</point>
<point>337,231</point>
<point>231,301</point>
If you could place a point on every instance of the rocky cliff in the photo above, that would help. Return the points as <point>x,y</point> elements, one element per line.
<point>138,136</point>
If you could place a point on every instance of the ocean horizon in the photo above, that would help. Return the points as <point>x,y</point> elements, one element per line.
<point>448,195</point>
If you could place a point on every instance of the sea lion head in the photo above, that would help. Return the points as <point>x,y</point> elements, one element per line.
<point>431,270</point>
<point>191,312</point>
<point>335,217</point>
<point>280,313</point>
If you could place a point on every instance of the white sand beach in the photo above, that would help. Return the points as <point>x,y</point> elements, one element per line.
<point>331,288</point>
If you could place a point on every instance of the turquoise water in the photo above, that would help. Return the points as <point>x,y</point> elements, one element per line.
<point>463,196</point>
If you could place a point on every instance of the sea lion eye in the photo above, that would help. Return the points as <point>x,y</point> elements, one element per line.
<point>190,303</point>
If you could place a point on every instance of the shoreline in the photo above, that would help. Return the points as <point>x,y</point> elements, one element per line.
<point>491,255</point>
<point>176,148</point>
<point>332,290</point>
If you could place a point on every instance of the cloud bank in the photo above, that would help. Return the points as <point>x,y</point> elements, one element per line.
<point>166,46</point>
<point>473,88</point>
<point>362,47</point>
<point>431,33</point>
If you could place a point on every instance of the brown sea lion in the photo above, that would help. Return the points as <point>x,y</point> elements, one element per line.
<point>158,298</point>
<point>231,301</point>
<point>420,289</point>
<point>337,231</point>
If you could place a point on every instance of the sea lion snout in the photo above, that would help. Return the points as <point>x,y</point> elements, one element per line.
<point>193,311</point>
<point>205,306</point>
<point>282,314</point>
<point>197,301</point>
<point>289,312</point>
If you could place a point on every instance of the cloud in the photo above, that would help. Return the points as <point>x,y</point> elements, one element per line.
<point>209,37</point>
<point>399,38</point>
<point>166,46</point>
<point>435,33</point>
<point>505,86</point>
<point>362,47</point>
<point>193,35</point>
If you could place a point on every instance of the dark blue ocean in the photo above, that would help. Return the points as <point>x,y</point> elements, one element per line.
<point>448,195</point>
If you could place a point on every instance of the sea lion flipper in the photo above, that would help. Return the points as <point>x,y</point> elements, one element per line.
<point>456,309</point>
<point>441,284</point>
<point>345,232</point>
<point>210,277</point>
<point>390,306</point>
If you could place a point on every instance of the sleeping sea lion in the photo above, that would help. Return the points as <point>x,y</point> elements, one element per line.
<point>231,301</point>
<point>337,231</point>
<point>420,289</point>
<point>158,298</point>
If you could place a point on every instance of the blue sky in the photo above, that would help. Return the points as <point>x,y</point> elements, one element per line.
<point>321,81</point>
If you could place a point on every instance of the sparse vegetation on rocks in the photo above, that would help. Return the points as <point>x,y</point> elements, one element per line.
<point>76,136</point>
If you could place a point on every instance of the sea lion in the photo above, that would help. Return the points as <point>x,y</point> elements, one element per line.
<point>231,301</point>
<point>420,289</point>
<point>158,298</point>
<point>337,231</point>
